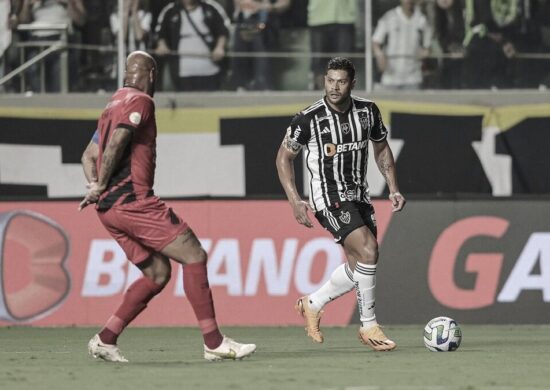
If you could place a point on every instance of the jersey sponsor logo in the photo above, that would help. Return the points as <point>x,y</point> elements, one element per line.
<point>345,128</point>
<point>332,149</point>
<point>349,195</point>
<point>345,217</point>
<point>135,118</point>
<point>325,130</point>
<point>296,133</point>
<point>291,144</point>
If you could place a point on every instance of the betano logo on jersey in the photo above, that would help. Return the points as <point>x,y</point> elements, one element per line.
<point>332,149</point>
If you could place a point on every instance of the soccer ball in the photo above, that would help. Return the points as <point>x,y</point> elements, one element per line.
<point>442,334</point>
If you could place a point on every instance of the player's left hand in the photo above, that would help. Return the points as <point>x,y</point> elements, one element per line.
<point>92,196</point>
<point>398,201</point>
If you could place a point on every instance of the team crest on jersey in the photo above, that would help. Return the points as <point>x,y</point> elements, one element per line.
<point>363,120</point>
<point>135,118</point>
<point>345,217</point>
<point>345,128</point>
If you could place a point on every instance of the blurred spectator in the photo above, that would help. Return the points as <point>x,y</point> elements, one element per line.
<point>543,16</point>
<point>136,24</point>
<point>156,7</point>
<point>93,33</point>
<point>256,29</point>
<point>9,37</point>
<point>448,23</point>
<point>332,30</point>
<point>38,12</point>
<point>198,31</point>
<point>488,43</point>
<point>6,22</point>
<point>295,16</point>
<point>525,33</point>
<point>400,42</point>
<point>228,6</point>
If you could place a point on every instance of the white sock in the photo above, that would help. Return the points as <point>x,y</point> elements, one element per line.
<point>340,282</point>
<point>365,283</point>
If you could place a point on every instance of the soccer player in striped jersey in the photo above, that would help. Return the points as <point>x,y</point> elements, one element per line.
<point>335,131</point>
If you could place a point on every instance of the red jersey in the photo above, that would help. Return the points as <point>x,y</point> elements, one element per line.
<point>133,178</point>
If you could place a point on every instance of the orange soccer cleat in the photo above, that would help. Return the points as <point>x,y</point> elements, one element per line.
<point>312,317</point>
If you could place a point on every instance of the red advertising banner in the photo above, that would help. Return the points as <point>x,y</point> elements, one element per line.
<point>60,266</point>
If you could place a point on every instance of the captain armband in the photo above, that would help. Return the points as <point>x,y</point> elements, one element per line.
<point>291,145</point>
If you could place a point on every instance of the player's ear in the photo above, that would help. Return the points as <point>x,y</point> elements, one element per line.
<point>353,83</point>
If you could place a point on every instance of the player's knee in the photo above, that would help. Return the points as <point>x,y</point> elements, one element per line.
<point>159,273</point>
<point>198,256</point>
<point>369,254</point>
<point>163,277</point>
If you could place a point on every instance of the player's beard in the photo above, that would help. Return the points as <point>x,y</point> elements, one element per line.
<point>341,101</point>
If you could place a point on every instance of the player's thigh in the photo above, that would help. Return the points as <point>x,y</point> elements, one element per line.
<point>366,210</point>
<point>185,249</point>
<point>151,222</point>
<point>134,250</point>
<point>361,246</point>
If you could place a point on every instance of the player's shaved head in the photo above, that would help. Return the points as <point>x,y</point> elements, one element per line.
<point>141,69</point>
<point>138,60</point>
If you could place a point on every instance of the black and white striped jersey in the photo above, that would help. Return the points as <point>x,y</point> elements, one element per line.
<point>336,147</point>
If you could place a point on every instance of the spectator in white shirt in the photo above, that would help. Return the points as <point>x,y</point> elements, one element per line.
<point>401,41</point>
<point>137,24</point>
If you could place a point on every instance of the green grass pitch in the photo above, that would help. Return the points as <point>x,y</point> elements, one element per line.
<point>490,357</point>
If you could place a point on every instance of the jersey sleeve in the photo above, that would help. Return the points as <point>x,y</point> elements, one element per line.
<point>136,112</point>
<point>378,132</point>
<point>299,129</point>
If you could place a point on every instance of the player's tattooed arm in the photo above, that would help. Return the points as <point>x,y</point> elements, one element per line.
<point>285,169</point>
<point>89,158</point>
<point>291,145</point>
<point>109,162</point>
<point>386,164</point>
<point>113,154</point>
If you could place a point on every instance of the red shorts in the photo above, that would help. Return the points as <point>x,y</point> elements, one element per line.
<point>143,227</point>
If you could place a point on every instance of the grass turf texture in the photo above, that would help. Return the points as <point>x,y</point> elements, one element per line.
<point>490,357</point>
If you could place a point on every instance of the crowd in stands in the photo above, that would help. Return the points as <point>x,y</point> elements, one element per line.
<point>210,45</point>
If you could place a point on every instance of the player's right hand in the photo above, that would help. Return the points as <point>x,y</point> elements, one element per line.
<point>300,213</point>
<point>92,196</point>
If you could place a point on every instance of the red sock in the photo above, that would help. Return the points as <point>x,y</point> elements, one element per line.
<point>195,284</point>
<point>135,301</point>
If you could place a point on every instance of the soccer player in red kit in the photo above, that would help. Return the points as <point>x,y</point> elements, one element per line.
<point>119,164</point>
